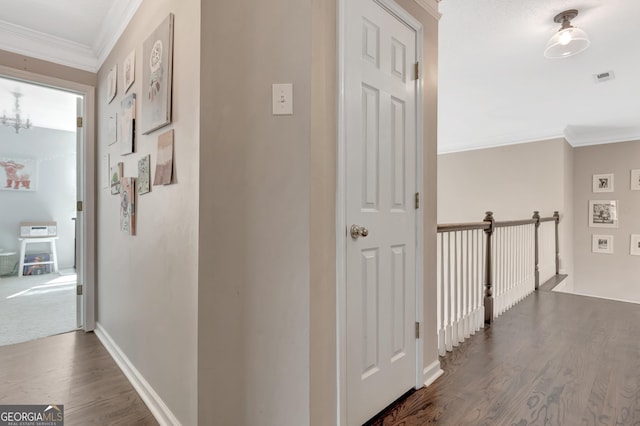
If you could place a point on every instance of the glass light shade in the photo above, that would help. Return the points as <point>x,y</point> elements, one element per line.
<point>567,42</point>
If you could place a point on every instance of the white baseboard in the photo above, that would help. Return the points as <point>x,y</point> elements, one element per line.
<point>432,372</point>
<point>158,408</point>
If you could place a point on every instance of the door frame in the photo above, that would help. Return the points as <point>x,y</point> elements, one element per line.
<point>341,219</point>
<point>86,172</point>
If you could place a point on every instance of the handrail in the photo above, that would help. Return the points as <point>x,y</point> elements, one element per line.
<point>504,224</point>
<point>453,227</point>
<point>489,226</point>
<point>468,226</point>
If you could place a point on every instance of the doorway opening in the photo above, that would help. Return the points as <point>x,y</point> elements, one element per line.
<point>39,187</point>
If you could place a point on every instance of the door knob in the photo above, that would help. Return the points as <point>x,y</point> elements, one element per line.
<point>358,231</point>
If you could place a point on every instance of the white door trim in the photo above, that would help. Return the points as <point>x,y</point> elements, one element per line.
<point>87,265</point>
<point>341,222</point>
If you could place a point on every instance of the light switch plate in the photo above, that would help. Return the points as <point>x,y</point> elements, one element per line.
<point>282,99</point>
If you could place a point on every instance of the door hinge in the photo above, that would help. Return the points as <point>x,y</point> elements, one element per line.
<point>79,290</point>
<point>79,122</point>
<point>417,330</point>
<point>417,199</point>
<point>79,206</point>
<point>417,71</point>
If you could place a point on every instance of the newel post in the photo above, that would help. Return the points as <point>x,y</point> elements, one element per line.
<point>536,217</point>
<point>488,284</point>
<point>556,216</point>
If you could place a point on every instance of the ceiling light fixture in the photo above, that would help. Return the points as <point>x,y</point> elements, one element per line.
<point>569,40</point>
<point>16,122</point>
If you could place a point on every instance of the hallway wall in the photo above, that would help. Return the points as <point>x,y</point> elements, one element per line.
<point>147,284</point>
<point>253,355</point>
<point>614,275</point>
<point>512,181</point>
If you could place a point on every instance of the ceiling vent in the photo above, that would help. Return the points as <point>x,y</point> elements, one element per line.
<point>604,76</point>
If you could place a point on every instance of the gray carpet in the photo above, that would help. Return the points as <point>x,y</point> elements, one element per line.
<point>36,306</point>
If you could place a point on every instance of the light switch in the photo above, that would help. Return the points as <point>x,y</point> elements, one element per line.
<point>282,99</point>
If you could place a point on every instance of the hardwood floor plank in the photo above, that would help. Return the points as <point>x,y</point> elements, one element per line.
<point>553,359</point>
<point>75,370</point>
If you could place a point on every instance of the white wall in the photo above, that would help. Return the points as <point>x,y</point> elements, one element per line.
<point>614,275</point>
<point>55,195</point>
<point>147,284</point>
<point>512,181</point>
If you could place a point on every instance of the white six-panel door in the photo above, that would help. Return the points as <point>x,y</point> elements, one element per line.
<point>381,180</point>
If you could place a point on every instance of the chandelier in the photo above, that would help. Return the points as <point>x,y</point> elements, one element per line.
<point>16,122</point>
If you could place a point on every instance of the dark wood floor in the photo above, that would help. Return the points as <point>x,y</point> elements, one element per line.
<point>554,359</point>
<point>75,370</point>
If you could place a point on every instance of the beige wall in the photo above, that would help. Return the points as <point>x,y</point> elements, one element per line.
<point>567,258</point>
<point>512,181</point>
<point>147,284</point>
<point>323,337</point>
<point>617,275</point>
<point>254,274</point>
<point>38,66</point>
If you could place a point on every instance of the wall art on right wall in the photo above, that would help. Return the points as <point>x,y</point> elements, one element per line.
<point>603,213</point>
<point>635,180</point>
<point>157,64</point>
<point>635,245</point>
<point>128,124</point>
<point>603,183</point>
<point>602,244</point>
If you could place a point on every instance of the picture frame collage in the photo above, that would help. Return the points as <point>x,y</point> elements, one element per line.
<point>604,213</point>
<point>140,114</point>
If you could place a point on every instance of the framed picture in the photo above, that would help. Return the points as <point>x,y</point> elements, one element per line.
<point>603,183</point>
<point>602,244</point>
<point>115,175</point>
<point>635,180</point>
<point>19,174</point>
<point>635,245</point>
<point>157,64</point>
<point>112,129</point>
<point>144,175</point>
<point>127,124</point>
<point>164,159</point>
<point>112,83</point>
<point>127,206</point>
<point>129,71</point>
<point>603,213</point>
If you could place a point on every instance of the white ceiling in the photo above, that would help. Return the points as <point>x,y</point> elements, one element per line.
<point>495,86</point>
<point>76,33</point>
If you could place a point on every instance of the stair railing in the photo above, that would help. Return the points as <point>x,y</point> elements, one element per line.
<point>484,268</point>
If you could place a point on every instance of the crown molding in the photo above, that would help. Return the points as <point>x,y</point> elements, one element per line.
<point>39,45</point>
<point>431,6</point>
<point>498,142</point>
<point>118,17</point>
<point>24,41</point>
<point>605,136</point>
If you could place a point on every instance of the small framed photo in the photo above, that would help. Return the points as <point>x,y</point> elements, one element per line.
<point>129,70</point>
<point>602,244</point>
<point>635,245</point>
<point>603,183</point>
<point>603,213</point>
<point>112,83</point>
<point>635,180</point>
